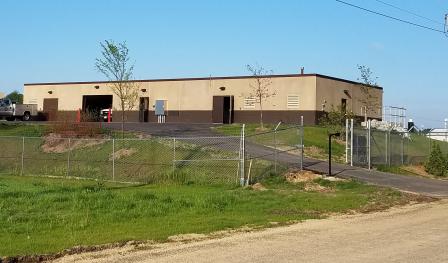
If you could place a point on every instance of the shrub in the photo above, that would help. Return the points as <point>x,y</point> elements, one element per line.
<point>437,163</point>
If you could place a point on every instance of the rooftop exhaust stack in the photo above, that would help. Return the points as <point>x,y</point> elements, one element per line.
<point>302,70</point>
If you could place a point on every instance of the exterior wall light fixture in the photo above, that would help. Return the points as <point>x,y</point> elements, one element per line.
<point>50,92</point>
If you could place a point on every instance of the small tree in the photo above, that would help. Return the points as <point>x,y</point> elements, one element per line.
<point>260,87</point>
<point>437,163</point>
<point>334,120</point>
<point>15,96</point>
<point>114,64</point>
<point>369,100</point>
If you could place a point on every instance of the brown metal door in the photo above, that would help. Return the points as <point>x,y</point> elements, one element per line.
<point>218,109</point>
<point>143,109</point>
<point>50,109</point>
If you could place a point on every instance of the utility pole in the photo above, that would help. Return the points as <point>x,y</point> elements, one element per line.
<point>446,25</point>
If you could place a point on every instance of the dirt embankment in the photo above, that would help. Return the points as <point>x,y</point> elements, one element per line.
<point>54,143</point>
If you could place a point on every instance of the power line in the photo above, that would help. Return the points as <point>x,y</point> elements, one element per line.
<point>391,17</point>
<point>409,12</point>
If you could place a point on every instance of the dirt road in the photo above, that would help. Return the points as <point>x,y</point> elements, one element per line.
<point>416,233</point>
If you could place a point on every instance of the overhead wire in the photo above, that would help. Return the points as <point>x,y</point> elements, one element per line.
<point>409,12</point>
<point>391,17</point>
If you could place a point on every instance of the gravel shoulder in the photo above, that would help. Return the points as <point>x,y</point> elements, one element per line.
<point>414,233</point>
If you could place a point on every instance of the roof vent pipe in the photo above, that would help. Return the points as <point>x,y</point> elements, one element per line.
<point>302,70</point>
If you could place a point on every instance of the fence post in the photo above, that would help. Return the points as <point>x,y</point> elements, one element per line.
<point>22,157</point>
<point>243,155</point>
<point>346,141</point>
<point>174,154</point>
<point>369,127</point>
<point>275,147</point>
<point>402,149</point>
<point>351,142</point>
<point>302,134</point>
<point>385,149</point>
<point>113,159</point>
<point>68,157</point>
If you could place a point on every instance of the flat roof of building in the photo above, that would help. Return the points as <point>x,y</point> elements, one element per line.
<point>205,78</point>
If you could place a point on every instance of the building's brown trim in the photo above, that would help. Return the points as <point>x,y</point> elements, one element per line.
<point>191,116</point>
<point>204,78</point>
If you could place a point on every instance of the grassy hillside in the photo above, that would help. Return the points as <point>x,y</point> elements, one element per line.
<point>315,138</point>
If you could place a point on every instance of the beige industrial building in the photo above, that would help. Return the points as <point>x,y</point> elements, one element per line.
<point>208,100</point>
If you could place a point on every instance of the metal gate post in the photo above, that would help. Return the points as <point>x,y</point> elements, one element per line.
<point>351,142</point>
<point>302,134</point>
<point>369,127</point>
<point>346,141</point>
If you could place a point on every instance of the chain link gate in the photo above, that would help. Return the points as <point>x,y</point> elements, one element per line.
<point>367,147</point>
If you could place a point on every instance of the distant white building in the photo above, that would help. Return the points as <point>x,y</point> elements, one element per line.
<point>440,134</point>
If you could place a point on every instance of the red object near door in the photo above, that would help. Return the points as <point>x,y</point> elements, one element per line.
<point>108,115</point>
<point>78,115</point>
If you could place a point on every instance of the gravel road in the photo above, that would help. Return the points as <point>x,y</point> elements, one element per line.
<point>417,233</point>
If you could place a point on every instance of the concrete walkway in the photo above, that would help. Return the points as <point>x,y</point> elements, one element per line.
<point>425,186</point>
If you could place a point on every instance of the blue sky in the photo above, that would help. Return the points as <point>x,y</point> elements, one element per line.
<point>56,41</point>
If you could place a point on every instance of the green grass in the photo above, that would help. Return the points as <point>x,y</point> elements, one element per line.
<point>394,169</point>
<point>313,137</point>
<point>46,215</point>
<point>19,129</point>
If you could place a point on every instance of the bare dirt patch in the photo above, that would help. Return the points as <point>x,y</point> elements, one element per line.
<point>301,176</point>
<point>187,237</point>
<point>122,153</point>
<point>54,143</point>
<point>258,187</point>
<point>418,170</point>
<point>308,179</point>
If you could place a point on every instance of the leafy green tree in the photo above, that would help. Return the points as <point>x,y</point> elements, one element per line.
<point>115,65</point>
<point>437,163</point>
<point>15,96</point>
<point>369,101</point>
<point>334,120</point>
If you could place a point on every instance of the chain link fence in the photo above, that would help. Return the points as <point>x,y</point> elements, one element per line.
<point>367,147</point>
<point>273,147</point>
<point>198,160</point>
<point>221,159</point>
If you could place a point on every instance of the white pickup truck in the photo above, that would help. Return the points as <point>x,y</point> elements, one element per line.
<point>11,110</point>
